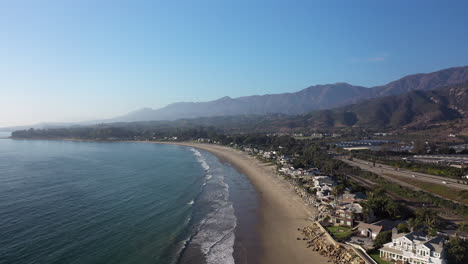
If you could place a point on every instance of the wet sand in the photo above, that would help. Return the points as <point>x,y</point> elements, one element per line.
<point>281,210</point>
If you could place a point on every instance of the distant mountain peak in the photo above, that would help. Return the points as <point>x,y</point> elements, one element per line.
<point>225,98</point>
<point>312,98</point>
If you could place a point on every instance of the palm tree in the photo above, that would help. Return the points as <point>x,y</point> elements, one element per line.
<point>338,191</point>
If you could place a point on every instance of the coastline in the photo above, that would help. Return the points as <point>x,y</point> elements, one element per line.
<point>281,210</point>
<point>281,213</point>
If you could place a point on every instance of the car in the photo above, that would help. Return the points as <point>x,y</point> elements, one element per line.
<point>444,182</point>
<point>412,175</point>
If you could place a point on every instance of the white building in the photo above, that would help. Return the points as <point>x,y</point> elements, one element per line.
<point>414,248</point>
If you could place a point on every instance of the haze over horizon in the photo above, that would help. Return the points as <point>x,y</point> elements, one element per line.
<point>68,61</point>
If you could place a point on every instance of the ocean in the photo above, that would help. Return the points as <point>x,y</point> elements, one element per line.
<point>96,202</point>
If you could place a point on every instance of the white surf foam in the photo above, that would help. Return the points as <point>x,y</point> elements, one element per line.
<point>215,235</point>
<point>200,159</point>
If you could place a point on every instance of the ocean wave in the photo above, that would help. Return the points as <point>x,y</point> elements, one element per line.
<point>215,235</point>
<point>216,238</point>
<point>200,159</point>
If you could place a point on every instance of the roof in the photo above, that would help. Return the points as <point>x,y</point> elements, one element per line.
<point>373,228</point>
<point>387,224</point>
<point>416,235</point>
<point>436,244</point>
<point>351,207</point>
<point>353,196</point>
<point>328,181</point>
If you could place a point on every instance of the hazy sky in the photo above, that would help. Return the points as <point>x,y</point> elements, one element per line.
<point>82,60</point>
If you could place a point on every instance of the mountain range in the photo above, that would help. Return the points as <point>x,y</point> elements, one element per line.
<point>445,107</point>
<point>318,106</point>
<point>415,109</point>
<point>313,98</point>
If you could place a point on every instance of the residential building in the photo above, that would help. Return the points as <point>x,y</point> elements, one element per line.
<point>346,214</point>
<point>414,248</point>
<point>357,197</point>
<point>369,230</point>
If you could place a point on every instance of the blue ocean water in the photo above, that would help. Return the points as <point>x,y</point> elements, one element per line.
<point>92,202</point>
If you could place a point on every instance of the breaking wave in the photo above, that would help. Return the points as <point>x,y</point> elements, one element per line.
<point>214,234</point>
<point>200,159</point>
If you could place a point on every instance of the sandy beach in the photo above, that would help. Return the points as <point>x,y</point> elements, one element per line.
<point>282,211</point>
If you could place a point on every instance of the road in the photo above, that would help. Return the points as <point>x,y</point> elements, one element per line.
<point>382,169</point>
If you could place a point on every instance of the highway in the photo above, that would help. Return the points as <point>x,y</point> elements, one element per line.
<point>380,169</point>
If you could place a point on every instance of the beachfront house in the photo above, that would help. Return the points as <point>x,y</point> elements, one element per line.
<point>324,193</point>
<point>323,186</point>
<point>320,181</point>
<point>288,169</point>
<point>346,214</point>
<point>369,230</point>
<point>415,248</point>
<point>269,154</point>
<point>313,171</point>
<point>348,197</point>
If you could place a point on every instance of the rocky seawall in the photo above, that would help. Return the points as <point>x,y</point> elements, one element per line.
<point>317,240</point>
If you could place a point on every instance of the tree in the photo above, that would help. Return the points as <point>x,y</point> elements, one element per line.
<point>403,228</point>
<point>462,230</point>
<point>419,147</point>
<point>338,190</point>
<point>432,232</point>
<point>413,224</point>
<point>457,250</point>
<point>382,238</point>
<point>393,209</point>
<point>427,217</point>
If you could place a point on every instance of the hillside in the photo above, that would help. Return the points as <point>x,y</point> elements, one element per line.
<point>309,99</point>
<point>313,98</point>
<point>415,110</point>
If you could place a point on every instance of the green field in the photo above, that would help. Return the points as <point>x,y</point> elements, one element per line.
<point>339,232</point>
<point>375,255</point>
<point>441,190</point>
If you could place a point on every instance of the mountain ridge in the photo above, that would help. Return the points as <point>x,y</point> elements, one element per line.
<point>312,98</point>
<point>316,97</point>
<point>444,107</point>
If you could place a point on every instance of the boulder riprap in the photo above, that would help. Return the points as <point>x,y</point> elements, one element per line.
<point>336,253</point>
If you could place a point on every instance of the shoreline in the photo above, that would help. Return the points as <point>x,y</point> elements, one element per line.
<point>282,213</point>
<point>281,210</point>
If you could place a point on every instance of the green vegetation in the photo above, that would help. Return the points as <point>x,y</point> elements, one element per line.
<point>376,114</point>
<point>340,233</point>
<point>457,250</point>
<point>380,205</point>
<point>425,218</point>
<point>394,159</point>
<point>382,238</point>
<point>403,228</point>
<point>442,190</point>
<point>313,155</point>
<point>421,196</point>
<point>376,256</point>
<point>306,153</point>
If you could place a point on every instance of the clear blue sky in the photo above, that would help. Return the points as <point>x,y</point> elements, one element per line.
<point>80,60</point>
